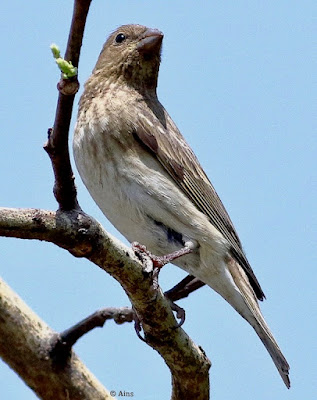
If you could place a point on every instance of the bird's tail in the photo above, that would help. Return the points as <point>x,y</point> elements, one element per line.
<point>254,316</point>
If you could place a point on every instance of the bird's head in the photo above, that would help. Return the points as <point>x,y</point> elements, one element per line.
<point>131,55</point>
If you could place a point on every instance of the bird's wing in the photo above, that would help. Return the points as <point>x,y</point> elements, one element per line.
<point>171,149</point>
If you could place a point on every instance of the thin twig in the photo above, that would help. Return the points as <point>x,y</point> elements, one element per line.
<point>97,319</point>
<point>62,347</point>
<point>57,143</point>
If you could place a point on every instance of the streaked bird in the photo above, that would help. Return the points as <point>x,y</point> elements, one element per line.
<point>148,182</point>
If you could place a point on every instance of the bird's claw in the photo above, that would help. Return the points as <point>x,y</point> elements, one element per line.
<point>154,264</point>
<point>138,327</point>
<point>151,263</point>
<point>159,261</point>
<point>144,256</point>
<point>180,313</point>
<point>142,252</point>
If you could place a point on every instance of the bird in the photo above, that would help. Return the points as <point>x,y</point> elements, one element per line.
<point>148,182</point>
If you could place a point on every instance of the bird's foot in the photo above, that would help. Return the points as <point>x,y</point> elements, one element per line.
<point>151,261</point>
<point>180,313</point>
<point>138,326</point>
<point>159,261</point>
<point>154,263</point>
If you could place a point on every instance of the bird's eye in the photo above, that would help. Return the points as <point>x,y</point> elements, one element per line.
<point>120,38</point>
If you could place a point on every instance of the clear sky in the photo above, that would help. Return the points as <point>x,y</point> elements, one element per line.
<point>239,79</point>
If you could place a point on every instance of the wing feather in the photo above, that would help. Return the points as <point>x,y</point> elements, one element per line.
<point>171,149</point>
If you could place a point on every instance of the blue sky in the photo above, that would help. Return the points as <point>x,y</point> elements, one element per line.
<point>239,79</point>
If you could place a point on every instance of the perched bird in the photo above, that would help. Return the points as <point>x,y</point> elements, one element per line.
<point>148,182</point>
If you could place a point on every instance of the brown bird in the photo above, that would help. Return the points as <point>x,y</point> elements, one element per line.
<point>148,182</point>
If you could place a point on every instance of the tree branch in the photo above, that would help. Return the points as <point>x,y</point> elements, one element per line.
<point>97,319</point>
<point>84,237</point>
<point>57,143</point>
<point>25,344</point>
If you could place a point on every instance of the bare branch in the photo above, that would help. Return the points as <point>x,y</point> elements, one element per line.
<point>57,143</point>
<point>25,344</point>
<point>84,237</point>
<point>120,315</point>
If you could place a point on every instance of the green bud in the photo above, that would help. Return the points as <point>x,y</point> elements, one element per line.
<point>55,50</point>
<point>66,67</point>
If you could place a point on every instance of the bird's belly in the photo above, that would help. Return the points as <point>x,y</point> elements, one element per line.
<point>141,200</point>
<point>134,212</point>
<point>133,191</point>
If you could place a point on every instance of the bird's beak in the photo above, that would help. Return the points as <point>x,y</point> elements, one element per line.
<point>150,40</point>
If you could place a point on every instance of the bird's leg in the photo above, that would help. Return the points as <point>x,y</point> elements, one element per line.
<point>158,262</point>
<point>184,288</point>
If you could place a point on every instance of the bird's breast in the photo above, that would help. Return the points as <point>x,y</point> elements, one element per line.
<point>126,182</point>
<point>132,188</point>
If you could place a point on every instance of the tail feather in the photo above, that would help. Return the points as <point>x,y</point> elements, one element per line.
<point>254,316</point>
<point>275,353</point>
